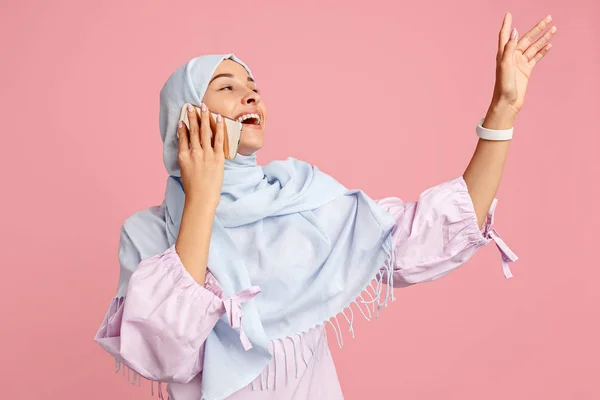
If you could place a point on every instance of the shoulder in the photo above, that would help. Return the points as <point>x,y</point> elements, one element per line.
<point>145,232</point>
<point>147,219</point>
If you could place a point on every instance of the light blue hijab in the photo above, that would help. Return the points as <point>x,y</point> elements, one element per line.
<point>309,243</point>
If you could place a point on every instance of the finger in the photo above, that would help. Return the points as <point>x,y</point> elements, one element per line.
<point>219,136</point>
<point>205,131</point>
<point>530,36</point>
<point>540,54</point>
<point>539,44</point>
<point>194,127</point>
<point>504,34</point>
<point>182,134</point>
<point>511,45</point>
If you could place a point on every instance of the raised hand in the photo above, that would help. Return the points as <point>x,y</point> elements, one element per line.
<point>516,59</point>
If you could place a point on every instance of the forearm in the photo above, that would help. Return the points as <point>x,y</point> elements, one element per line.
<point>193,240</point>
<point>484,171</point>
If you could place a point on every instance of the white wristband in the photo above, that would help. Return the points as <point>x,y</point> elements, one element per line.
<point>493,134</point>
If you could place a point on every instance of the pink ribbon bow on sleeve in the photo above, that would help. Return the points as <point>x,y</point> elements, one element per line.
<point>507,254</point>
<point>233,308</point>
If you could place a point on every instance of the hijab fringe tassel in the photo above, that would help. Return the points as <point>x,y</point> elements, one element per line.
<point>135,378</point>
<point>369,302</point>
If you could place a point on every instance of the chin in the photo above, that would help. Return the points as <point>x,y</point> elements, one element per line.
<point>250,143</point>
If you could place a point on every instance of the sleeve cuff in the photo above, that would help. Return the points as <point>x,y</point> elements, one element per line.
<point>486,233</point>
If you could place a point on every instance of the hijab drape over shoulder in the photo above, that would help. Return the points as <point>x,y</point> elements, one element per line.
<point>310,244</point>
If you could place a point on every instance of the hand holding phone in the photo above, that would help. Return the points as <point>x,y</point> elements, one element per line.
<point>233,130</point>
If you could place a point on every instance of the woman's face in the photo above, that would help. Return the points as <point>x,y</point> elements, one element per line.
<point>232,93</point>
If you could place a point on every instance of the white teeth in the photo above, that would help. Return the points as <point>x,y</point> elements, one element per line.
<point>246,116</point>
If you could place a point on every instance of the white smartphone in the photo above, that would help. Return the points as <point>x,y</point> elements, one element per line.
<point>233,130</point>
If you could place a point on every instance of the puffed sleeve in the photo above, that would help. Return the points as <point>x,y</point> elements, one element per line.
<point>160,327</point>
<point>439,232</point>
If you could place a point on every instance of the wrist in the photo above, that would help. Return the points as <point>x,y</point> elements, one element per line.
<point>499,117</point>
<point>202,204</point>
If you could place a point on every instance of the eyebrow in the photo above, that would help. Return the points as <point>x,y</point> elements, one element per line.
<point>227,76</point>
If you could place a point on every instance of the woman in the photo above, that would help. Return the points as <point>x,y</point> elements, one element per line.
<point>287,247</point>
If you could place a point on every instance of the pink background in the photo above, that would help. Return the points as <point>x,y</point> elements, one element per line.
<point>384,95</point>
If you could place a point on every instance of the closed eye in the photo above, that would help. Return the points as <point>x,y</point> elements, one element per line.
<point>230,88</point>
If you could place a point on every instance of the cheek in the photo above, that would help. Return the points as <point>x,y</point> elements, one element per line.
<point>219,104</point>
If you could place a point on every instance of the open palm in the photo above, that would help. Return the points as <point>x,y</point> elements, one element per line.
<point>516,59</point>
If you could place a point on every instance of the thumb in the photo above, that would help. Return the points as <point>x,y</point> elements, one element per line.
<point>511,45</point>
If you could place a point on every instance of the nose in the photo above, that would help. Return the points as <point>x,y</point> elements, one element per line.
<point>251,98</point>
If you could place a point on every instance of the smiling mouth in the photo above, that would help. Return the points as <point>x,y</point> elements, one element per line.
<point>250,119</point>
